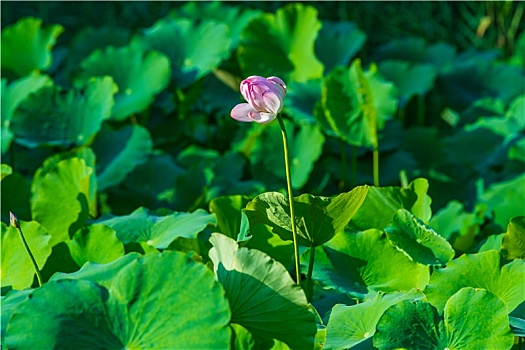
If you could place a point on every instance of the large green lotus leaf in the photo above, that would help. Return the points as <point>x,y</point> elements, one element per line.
<point>380,205</point>
<point>102,274</point>
<point>356,104</point>
<point>513,244</point>
<point>418,241</point>
<point>265,153</point>
<point>62,314</point>
<point>318,219</point>
<point>473,319</point>
<point>410,79</point>
<point>169,301</point>
<point>517,150</point>
<point>242,339</point>
<point>12,95</point>
<point>119,152</point>
<point>195,48</point>
<point>161,301</point>
<point>282,44</point>
<point>262,295</point>
<point>26,46</point>
<point>516,111</point>
<point>351,325</point>
<point>9,304</point>
<point>476,319</point>
<point>64,117</point>
<point>235,17</point>
<point>158,231</point>
<point>61,194</point>
<point>481,270</point>
<point>363,263</point>
<point>96,243</point>
<point>338,42</point>
<point>408,324</point>
<point>140,75</point>
<point>301,99</point>
<point>17,269</point>
<point>505,199</point>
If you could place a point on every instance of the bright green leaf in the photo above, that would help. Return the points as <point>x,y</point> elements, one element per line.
<point>351,325</point>
<point>6,170</point>
<point>119,152</point>
<point>158,231</point>
<point>95,243</point>
<point>282,44</point>
<point>505,199</point>
<point>356,104</point>
<point>363,263</point>
<point>17,269</point>
<point>418,241</point>
<point>139,75</point>
<point>318,219</point>
<point>263,297</point>
<point>482,270</point>
<point>61,194</point>
<point>476,319</point>
<point>64,117</point>
<point>380,205</point>
<point>421,208</point>
<point>513,244</point>
<point>26,46</point>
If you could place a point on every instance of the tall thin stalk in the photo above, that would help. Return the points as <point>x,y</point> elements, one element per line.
<point>290,198</point>
<point>376,166</point>
<point>16,224</point>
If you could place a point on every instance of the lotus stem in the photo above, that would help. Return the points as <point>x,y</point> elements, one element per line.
<point>376,166</point>
<point>16,224</point>
<point>290,198</point>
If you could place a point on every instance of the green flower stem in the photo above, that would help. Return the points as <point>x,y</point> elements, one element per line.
<point>16,224</point>
<point>376,166</point>
<point>290,198</point>
<point>309,281</point>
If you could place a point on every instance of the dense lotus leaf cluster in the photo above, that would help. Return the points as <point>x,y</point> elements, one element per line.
<point>157,221</point>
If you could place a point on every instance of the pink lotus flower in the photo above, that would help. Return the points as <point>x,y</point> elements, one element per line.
<point>265,99</point>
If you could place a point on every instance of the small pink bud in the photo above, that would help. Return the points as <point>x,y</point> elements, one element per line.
<point>14,220</point>
<point>265,97</point>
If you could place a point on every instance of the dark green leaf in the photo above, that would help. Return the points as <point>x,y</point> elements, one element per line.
<point>338,42</point>
<point>194,48</point>
<point>119,152</point>
<point>12,95</point>
<point>263,297</point>
<point>64,117</point>
<point>505,199</point>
